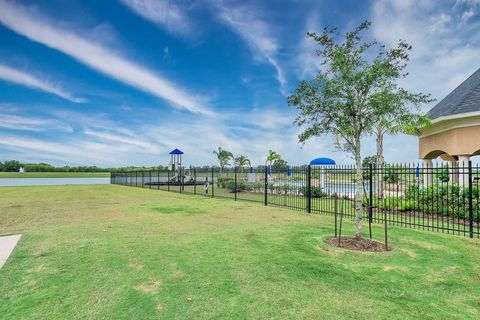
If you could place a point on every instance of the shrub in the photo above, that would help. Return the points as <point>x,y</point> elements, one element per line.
<point>315,192</point>
<point>222,182</point>
<point>443,174</point>
<point>240,186</point>
<point>450,200</point>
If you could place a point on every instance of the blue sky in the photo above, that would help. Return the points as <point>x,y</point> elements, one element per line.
<point>114,83</point>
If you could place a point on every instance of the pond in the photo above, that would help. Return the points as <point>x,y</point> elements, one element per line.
<point>16,182</point>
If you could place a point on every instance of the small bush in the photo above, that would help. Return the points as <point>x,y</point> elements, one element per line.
<point>315,192</point>
<point>239,187</point>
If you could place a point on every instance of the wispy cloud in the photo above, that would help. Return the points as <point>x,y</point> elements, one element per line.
<point>18,122</point>
<point>164,13</point>
<point>245,22</point>
<point>445,50</point>
<point>123,138</point>
<point>307,63</point>
<point>36,28</point>
<point>24,79</point>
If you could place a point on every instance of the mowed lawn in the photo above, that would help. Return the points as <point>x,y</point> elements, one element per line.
<point>113,252</point>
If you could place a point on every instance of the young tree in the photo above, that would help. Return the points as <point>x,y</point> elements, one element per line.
<point>223,157</point>
<point>347,98</point>
<point>242,161</point>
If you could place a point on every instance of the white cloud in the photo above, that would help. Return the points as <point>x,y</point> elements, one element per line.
<point>256,33</point>
<point>164,13</point>
<point>123,138</point>
<point>307,62</point>
<point>17,122</point>
<point>25,79</point>
<point>22,21</point>
<point>444,51</point>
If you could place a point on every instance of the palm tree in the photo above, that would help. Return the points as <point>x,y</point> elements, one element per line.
<point>223,157</point>
<point>242,161</point>
<point>272,157</point>
<point>408,123</point>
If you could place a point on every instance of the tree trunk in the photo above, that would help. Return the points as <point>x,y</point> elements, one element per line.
<point>380,161</point>
<point>358,190</point>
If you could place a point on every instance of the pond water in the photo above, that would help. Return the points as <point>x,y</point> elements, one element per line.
<point>15,182</point>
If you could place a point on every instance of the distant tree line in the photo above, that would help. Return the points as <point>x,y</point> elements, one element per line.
<point>15,165</point>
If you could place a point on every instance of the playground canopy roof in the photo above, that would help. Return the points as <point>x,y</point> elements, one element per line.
<point>322,162</point>
<point>176,151</point>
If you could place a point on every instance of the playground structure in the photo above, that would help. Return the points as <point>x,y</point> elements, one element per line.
<point>175,166</point>
<point>177,174</point>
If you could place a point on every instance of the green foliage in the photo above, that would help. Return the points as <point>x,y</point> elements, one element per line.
<point>223,157</point>
<point>390,176</point>
<point>366,162</point>
<point>14,166</point>
<point>230,185</point>
<point>272,157</point>
<point>443,174</point>
<point>315,192</point>
<point>353,92</point>
<point>369,160</point>
<point>10,166</point>
<point>279,165</point>
<point>223,181</point>
<point>242,161</point>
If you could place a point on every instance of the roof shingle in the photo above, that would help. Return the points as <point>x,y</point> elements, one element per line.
<point>465,98</point>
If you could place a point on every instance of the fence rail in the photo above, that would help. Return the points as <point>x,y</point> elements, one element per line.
<point>436,198</point>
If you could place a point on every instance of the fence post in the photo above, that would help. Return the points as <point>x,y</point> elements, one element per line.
<point>335,206</point>
<point>143,179</point>
<point>470,199</point>
<point>235,170</point>
<point>168,180</point>
<point>308,189</point>
<point>370,210</point>
<point>136,179</point>
<point>213,183</point>
<point>194,180</point>
<point>180,176</point>
<point>266,185</point>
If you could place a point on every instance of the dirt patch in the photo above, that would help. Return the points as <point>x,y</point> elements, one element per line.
<point>41,269</point>
<point>395,268</point>
<point>361,244</point>
<point>151,287</point>
<point>409,253</point>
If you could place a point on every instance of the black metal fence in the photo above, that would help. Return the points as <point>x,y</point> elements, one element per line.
<point>437,198</point>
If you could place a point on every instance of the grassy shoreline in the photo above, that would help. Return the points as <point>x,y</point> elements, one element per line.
<point>54,175</point>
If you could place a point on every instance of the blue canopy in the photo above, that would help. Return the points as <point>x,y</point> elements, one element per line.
<point>176,151</point>
<point>322,162</point>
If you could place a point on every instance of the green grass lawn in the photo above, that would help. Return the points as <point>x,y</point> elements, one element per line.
<point>113,252</point>
<point>55,175</point>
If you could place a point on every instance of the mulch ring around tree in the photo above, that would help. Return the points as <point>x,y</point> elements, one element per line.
<point>362,244</point>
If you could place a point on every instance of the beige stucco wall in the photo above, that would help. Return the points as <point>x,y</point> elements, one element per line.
<point>453,142</point>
